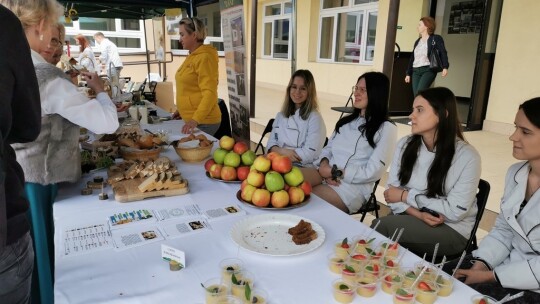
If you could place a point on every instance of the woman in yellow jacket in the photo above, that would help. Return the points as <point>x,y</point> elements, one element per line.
<point>197,80</point>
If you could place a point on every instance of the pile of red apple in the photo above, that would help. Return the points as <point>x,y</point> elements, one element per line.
<point>273,180</point>
<point>231,161</point>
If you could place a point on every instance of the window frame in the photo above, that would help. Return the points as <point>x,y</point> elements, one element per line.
<point>119,33</point>
<point>365,10</point>
<point>272,19</point>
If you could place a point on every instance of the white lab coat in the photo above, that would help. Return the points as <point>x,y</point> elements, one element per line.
<point>109,54</point>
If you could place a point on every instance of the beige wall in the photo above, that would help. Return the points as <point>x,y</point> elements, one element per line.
<point>410,12</point>
<point>515,76</point>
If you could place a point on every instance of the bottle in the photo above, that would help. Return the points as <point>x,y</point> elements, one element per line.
<point>134,112</point>
<point>143,111</point>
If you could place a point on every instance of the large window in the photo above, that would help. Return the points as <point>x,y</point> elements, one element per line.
<point>210,14</point>
<point>347,31</point>
<point>276,30</point>
<point>127,34</point>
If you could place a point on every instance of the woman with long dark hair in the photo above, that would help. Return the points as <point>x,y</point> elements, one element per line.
<point>299,131</point>
<point>360,148</point>
<point>433,168</point>
<point>508,258</point>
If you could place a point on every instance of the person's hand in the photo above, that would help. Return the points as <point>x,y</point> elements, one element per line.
<point>394,194</point>
<point>473,276</point>
<point>444,72</point>
<point>189,126</point>
<point>120,107</point>
<point>407,79</point>
<point>176,115</point>
<point>431,220</point>
<point>325,170</point>
<point>93,81</point>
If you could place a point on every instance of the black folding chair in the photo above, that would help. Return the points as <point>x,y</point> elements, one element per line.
<point>267,130</point>
<point>371,205</point>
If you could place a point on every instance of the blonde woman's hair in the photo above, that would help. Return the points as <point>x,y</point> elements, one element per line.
<point>311,104</point>
<point>33,12</point>
<point>195,25</point>
<point>62,31</point>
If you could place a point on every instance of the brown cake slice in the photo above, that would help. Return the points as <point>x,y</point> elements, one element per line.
<point>301,227</point>
<point>305,238</point>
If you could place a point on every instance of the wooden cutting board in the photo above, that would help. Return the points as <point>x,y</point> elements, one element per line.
<point>127,191</point>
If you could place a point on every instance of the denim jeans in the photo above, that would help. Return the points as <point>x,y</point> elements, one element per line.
<point>16,265</point>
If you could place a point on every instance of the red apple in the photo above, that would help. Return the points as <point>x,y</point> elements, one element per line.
<point>280,199</point>
<point>228,173</point>
<point>296,195</point>
<point>306,187</point>
<point>240,147</point>
<point>208,164</point>
<point>247,193</point>
<point>281,164</point>
<point>262,164</point>
<point>215,170</point>
<point>261,197</point>
<point>226,142</point>
<point>242,172</point>
<point>255,178</point>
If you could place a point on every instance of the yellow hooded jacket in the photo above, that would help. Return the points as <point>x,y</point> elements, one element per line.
<point>196,86</point>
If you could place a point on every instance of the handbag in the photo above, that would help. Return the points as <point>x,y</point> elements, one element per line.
<point>435,62</point>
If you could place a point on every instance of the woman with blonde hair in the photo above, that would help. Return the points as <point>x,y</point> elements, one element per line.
<point>86,55</point>
<point>54,156</point>
<point>197,80</point>
<point>298,131</point>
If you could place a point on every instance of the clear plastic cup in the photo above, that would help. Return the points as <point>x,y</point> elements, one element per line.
<point>409,276</point>
<point>390,282</point>
<point>366,285</point>
<point>229,299</point>
<point>446,284</point>
<point>404,296</point>
<point>349,272</point>
<point>229,267</point>
<point>390,265</point>
<point>361,244</point>
<point>342,247</point>
<point>258,296</point>
<point>392,250</point>
<point>431,271</point>
<point>214,290</point>
<point>343,291</point>
<point>238,288</point>
<point>359,259</point>
<point>372,269</point>
<point>477,298</point>
<point>335,263</point>
<point>426,292</point>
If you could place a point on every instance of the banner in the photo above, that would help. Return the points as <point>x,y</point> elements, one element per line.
<point>159,38</point>
<point>232,21</point>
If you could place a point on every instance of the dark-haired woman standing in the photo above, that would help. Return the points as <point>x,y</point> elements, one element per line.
<point>360,149</point>
<point>418,69</point>
<point>435,168</point>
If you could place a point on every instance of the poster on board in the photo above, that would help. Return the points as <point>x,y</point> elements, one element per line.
<point>159,38</point>
<point>233,26</point>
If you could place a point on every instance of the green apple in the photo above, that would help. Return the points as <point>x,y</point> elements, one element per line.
<point>248,157</point>
<point>219,155</point>
<point>294,177</point>
<point>232,160</point>
<point>273,181</point>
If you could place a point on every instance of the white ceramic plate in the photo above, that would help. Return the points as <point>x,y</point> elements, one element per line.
<point>268,234</point>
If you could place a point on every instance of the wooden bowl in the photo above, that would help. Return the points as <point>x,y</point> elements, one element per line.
<point>139,154</point>
<point>192,155</point>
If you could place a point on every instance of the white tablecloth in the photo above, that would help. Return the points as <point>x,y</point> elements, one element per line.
<point>139,275</point>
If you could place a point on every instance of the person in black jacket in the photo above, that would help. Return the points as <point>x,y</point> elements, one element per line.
<point>422,75</point>
<point>20,122</point>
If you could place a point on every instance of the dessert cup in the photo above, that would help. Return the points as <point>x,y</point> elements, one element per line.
<point>390,265</point>
<point>360,245</point>
<point>230,300</point>
<point>391,282</point>
<point>366,286</point>
<point>335,263</point>
<point>446,284</point>
<point>404,296</point>
<point>342,248</point>
<point>392,251</point>
<point>359,259</point>
<point>238,288</point>
<point>476,299</point>
<point>343,291</point>
<point>409,276</point>
<point>431,271</point>
<point>372,269</point>
<point>229,267</point>
<point>349,272</point>
<point>426,292</point>
<point>258,296</point>
<point>214,290</point>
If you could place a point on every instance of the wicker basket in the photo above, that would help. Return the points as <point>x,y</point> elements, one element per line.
<point>139,154</point>
<point>193,155</point>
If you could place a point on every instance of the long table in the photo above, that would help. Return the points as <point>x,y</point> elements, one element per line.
<point>139,274</point>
